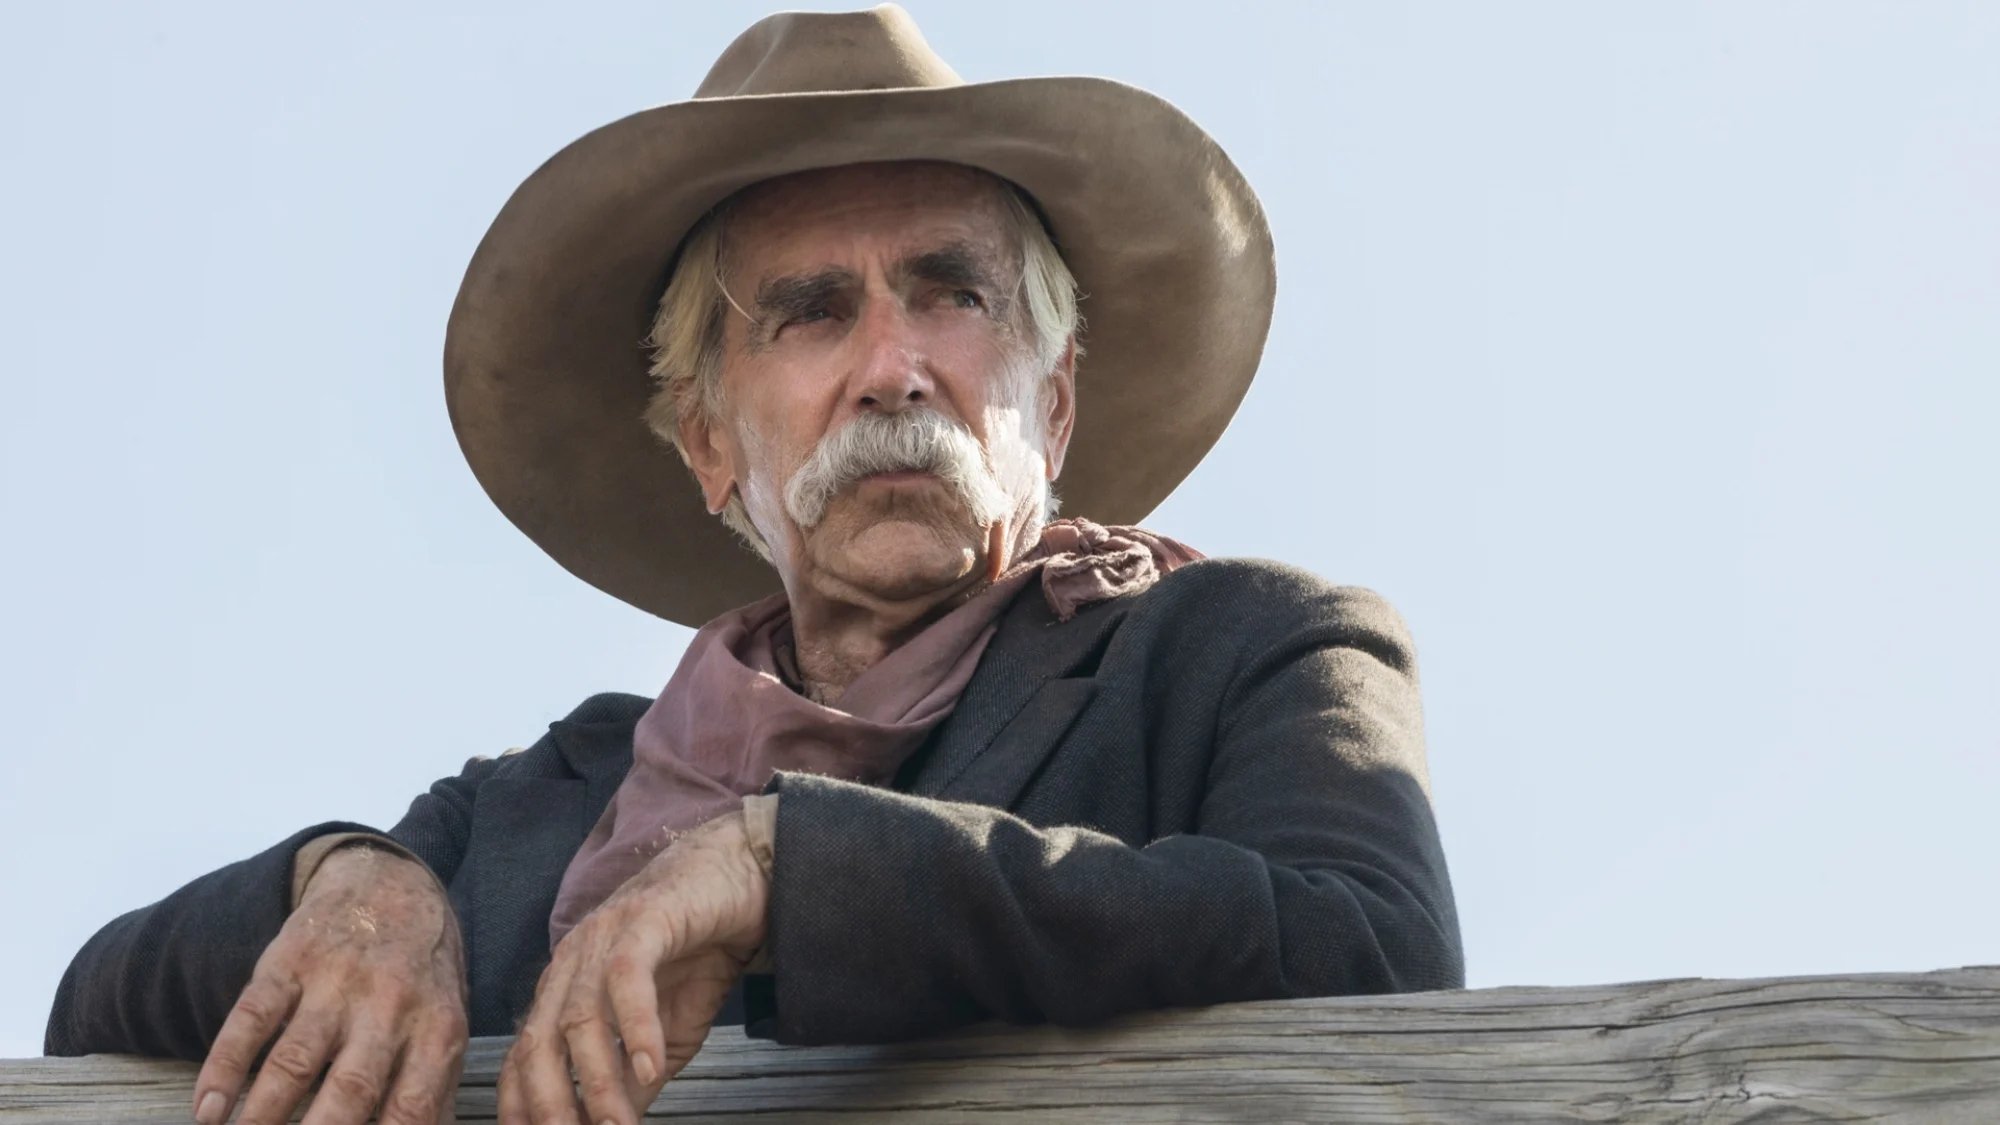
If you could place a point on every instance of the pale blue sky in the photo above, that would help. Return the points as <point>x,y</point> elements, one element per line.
<point>1646,356</point>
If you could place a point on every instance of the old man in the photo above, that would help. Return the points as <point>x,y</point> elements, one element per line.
<point>947,757</point>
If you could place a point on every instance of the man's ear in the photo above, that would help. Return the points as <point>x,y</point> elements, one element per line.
<point>1060,398</point>
<point>711,454</point>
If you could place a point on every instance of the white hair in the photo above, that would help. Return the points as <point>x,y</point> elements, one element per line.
<point>918,439</point>
<point>686,339</point>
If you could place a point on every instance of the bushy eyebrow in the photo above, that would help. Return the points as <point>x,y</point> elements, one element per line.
<point>782,298</point>
<point>956,264</point>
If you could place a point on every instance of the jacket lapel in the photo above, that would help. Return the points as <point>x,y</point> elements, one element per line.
<point>525,831</point>
<point>600,753</point>
<point>1032,682</point>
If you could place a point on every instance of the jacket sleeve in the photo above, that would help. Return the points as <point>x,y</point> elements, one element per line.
<point>1315,870</point>
<point>161,979</point>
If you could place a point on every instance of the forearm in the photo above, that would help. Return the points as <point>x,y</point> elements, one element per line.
<point>161,979</point>
<point>894,917</point>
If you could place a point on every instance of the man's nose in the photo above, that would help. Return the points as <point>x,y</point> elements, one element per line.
<point>892,374</point>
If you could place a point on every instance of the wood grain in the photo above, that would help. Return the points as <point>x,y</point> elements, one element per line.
<point>1914,1047</point>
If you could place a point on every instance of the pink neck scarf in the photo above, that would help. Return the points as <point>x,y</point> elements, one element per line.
<point>728,720</point>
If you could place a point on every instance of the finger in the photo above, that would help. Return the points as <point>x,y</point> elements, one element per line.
<point>421,1091</point>
<point>635,1004</point>
<point>292,1066</point>
<point>357,1080</point>
<point>511,1101</point>
<point>692,991</point>
<point>586,1026</point>
<point>511,1091</point>
<point>535,1073</point>
<point>507,1089</point>
<point>454,1048</point>
<point>542,1090</point>
<point>264,1004</point>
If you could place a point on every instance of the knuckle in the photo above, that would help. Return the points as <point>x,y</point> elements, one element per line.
<point>385,983</point>
<point>451,1031</point>
<point>575,1016</point>
<point>524,1043</point>
<point>294,1060</point>
<point>413,1107</point>
<point>601,1089</point>
<point>356,1087</point>
<point>390,1002</point>
<point>254,1005</point>
<point>623,962</point>
<point>552,1103</point>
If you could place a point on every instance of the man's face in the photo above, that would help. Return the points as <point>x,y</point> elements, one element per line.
<point>888,290</point>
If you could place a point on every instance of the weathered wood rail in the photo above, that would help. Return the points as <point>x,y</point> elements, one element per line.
<point>1917,1047</point>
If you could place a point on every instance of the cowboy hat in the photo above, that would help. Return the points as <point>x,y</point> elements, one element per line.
<point>546,377</point>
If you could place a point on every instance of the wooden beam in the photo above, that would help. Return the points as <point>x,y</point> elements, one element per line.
<point>1918,1047</point>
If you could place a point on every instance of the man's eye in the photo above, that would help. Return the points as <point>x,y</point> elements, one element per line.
<point>809,316</point>
<point>968,299</point>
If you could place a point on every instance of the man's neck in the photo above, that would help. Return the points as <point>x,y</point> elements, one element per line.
<point>840,630</point>
<point>836,639</point>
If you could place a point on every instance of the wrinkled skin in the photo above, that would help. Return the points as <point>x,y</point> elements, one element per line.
<point>630,994</point>
<point>368,975</point>
<point>883,335</point>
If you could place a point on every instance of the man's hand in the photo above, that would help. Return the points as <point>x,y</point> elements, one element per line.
<point>369,975</point>
<point>650,967</point>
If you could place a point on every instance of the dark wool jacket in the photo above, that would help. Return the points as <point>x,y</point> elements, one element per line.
<point>1210,791</point>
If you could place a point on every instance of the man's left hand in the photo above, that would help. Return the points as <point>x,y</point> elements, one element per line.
<point>650,967</point>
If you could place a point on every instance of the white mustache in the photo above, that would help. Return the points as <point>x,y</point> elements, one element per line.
<point>915,440</point>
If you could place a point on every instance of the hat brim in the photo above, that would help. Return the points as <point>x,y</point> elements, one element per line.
<point>546,376</point>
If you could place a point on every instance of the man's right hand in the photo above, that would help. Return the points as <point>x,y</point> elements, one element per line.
<point>368,975</point>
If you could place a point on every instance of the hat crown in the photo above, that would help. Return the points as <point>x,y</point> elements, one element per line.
<point>814,52</point>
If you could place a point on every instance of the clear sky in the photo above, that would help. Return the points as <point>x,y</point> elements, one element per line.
<point>1646,356</point>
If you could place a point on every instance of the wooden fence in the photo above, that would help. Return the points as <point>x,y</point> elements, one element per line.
<point>1922,1047</point>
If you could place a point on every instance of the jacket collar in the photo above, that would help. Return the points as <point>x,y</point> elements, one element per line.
<point>598,748</point>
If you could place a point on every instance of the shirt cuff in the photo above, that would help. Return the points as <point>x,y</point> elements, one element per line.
<point>760,825</point>
<point>760,830</point>
<point>307,859</point>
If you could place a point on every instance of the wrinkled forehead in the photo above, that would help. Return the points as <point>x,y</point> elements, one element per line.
<point>897,208</point>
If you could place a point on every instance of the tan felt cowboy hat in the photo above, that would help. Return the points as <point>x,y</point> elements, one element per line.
<point>546,378</point>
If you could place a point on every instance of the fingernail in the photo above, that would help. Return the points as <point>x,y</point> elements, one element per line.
<point>213,1108</point>
<point>642,1065</point>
